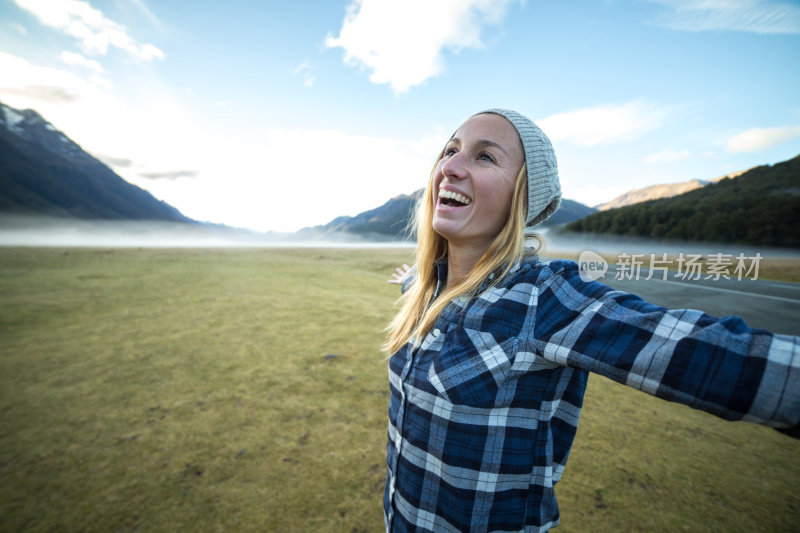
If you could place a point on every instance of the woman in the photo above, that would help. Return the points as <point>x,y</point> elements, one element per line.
<point>491,348</point>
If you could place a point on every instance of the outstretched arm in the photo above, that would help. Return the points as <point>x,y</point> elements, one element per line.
<point>718,365</point>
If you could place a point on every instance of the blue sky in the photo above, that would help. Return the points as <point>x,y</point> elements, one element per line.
<point>280,115</point>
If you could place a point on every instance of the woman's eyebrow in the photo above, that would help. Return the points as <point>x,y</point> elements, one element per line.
<point>487,143</point>
<point>482,143</point>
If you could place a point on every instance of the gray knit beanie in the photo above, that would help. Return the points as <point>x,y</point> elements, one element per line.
<point>544,189</point>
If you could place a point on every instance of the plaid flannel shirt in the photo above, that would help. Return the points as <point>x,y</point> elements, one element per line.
<point>484,410</point>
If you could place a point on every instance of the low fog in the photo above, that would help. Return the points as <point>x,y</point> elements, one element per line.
<point>67,232</point>
<point>556,243</point>
<point>70,232</point>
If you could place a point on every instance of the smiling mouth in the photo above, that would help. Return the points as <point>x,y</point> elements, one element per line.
<point>453,199</point>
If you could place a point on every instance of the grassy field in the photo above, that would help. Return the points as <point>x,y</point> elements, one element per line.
<point>244,390</point>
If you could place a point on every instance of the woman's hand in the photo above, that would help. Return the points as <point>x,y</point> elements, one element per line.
<point>402,273</point>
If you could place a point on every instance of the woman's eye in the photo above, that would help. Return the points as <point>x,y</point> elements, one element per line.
<point>486,157</point>
<point>449,151</point>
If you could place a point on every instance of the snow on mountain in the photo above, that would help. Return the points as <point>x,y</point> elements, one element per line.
<point>43,172</point>
<point>30,126</point>
<point>11,118</point>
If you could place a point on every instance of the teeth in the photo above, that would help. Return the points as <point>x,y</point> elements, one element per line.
<point>443,193</point>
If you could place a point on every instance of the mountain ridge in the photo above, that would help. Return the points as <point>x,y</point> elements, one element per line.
<point>759,206</point>
<point>44,172</point>
<point>662,190</point>
<point>392,219</point>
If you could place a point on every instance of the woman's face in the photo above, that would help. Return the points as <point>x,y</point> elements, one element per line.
<point>474,181</point>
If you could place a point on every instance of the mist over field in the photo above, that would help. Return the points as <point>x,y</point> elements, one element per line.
<point>556,243</point>
<point>70,232</point>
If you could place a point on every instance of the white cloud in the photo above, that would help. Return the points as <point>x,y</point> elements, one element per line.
<point>402,41</point>
<point>19,28</point>
<point>26,83</point>
<point>668,155</point>
<point>93,30</point>
<point>306,70</point>
<point>305,65</point>
<point>759,16</point>
<point>145,11</point>
<point>757,139</point>
<point>169,174</point>
<point>71,58</point>
<point>155,135</point>
<point>603,124</point>
<point>97,72</point>
<point>147,52</point>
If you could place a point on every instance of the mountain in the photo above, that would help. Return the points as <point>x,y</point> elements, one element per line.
<point>656,192</point>
<point>761,207</point>
<point>387,222</point>
<point>43,172</point>
<point>391,220</point>
<point>568,211</point>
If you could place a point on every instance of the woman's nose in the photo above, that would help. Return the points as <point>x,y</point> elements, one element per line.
<point>454,167</point>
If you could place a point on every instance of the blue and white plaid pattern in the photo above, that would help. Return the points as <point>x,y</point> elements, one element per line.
<point>483,412</point>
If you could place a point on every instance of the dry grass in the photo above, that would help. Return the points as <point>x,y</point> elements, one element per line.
<point>188,390</point>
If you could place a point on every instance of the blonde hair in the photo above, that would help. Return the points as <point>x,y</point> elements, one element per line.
<point>417,314</point>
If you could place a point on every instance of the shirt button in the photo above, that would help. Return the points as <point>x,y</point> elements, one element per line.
<point>436,332</point>
<point>491,276</point>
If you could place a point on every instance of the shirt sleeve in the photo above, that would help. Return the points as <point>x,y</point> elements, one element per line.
<point>407,283</point>
<point>718,365</point>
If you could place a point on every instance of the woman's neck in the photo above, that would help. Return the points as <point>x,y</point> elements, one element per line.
<point>460,261</point>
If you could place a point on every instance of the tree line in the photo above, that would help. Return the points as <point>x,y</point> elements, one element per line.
<point>762,207</point>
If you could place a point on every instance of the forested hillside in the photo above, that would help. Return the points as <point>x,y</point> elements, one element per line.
<point>762,206</point>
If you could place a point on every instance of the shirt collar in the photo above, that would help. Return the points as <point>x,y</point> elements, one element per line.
<point>527,262</point>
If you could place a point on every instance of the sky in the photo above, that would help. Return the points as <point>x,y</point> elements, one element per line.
<point>280,115</point>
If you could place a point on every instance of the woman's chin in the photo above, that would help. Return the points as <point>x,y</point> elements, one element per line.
<point>447,228</point>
